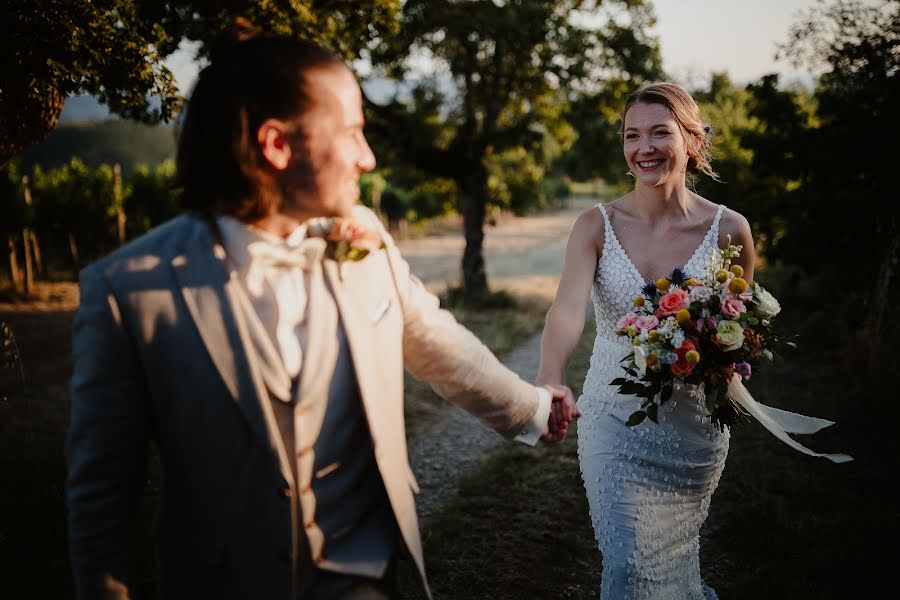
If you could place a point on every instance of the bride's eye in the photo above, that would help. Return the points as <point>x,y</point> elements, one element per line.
<point>630,136</point>
<point>660,133</point>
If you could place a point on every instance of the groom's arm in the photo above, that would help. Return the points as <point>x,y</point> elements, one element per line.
<point>440,351</point>
<point>106,447</point>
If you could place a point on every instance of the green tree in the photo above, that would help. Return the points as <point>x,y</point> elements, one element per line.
<point>149,197</point>
<point>512,63</point>
<point>75,207</point>
<point>115,50</point>
<point>849,212</point>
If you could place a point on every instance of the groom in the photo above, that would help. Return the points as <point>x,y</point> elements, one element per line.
<point>264,360</point>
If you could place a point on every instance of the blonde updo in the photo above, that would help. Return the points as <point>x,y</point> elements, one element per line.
<point>686,113</point>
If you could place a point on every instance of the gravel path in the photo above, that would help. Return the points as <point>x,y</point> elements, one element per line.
<point>450,448</point>
<point>524,256</point>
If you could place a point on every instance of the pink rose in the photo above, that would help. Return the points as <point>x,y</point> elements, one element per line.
<point>672,302</point>
<point>732,306</point>
<point>625,321</point>
<point>646,323</point>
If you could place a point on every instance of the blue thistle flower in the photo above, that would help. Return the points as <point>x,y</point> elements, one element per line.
<point>678,276</point>
<point>649,289</point>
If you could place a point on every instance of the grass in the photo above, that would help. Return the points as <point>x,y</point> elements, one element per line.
<point>782,525</point>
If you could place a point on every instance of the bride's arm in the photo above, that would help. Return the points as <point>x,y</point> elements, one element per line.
<point>565,319</point>
<point>736,225</point>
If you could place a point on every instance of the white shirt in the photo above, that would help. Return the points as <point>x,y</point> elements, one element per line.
<point>279,297</point>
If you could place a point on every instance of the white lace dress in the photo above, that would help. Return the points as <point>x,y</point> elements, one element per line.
<point>648,486</point>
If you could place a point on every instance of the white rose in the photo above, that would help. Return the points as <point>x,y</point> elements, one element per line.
<point>766,304</point>
<point>731,334</point>
<point>640,359</point>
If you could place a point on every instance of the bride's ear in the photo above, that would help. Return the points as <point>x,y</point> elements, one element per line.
<point>274,144</point>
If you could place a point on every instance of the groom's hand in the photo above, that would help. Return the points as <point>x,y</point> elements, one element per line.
<point>562,411</point>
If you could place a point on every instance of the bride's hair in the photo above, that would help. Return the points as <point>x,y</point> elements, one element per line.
<point>251,77</point>
<point>686,113</point>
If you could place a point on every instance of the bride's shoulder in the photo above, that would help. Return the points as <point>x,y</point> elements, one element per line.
<point>589,228</point>
<point>736,225</point>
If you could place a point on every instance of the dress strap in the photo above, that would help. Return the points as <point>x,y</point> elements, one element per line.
<point>714,230</point>
<point>607,226</point>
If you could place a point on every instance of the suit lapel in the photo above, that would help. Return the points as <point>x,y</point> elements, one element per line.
<point>360,338</point>
<point>211,297</point>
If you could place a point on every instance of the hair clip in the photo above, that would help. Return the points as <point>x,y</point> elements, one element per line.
<point>708,129</point>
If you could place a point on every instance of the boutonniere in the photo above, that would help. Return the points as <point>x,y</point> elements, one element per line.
<point>347,239</point>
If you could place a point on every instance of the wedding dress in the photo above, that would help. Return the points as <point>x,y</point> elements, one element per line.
<point>648,486</point>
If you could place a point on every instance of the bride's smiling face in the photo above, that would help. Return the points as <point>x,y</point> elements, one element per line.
<point>654,146</point>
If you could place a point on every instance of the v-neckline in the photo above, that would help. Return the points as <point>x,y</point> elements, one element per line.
<point>631,264</point>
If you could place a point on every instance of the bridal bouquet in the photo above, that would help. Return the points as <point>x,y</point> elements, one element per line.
<point>709,331</point>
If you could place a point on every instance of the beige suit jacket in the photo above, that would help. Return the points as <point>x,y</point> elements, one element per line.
<point>161,355</point>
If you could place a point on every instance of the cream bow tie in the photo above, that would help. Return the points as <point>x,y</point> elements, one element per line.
<point>267,255</point>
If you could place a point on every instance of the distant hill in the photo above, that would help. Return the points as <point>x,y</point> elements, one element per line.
<point>103,142</point>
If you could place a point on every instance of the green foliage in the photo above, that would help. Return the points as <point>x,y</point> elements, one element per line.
<point>15,213</point>
<point>76,199</point>
<point>150,198</point>
<point>115,50</point>
<point>515,180</point>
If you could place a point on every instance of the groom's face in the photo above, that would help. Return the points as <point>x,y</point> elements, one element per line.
<point>330,150</point>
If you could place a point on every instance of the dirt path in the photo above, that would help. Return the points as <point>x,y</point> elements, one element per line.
<point>525,257</point>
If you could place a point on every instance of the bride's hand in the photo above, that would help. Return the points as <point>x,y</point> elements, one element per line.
<point>562,411</point>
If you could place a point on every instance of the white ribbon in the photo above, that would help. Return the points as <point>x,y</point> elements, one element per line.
<point>779,422</point>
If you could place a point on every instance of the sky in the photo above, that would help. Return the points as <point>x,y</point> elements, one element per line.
<point>697,37</point>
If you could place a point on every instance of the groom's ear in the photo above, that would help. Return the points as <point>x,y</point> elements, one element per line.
<point>273,137</point>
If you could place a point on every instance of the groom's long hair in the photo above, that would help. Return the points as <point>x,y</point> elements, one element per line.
<point>251,77</point>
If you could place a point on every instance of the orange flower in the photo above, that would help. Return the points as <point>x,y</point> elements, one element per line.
<point>682,366</point>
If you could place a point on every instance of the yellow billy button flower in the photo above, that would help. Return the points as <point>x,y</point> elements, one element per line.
<point>692,282</point>
<point>662,284</point>
<point>638,300</point>
<point>721,275</point>
<point>738,285</point>
<point>653,335</point>
<point>683,316</point>
<point>738,270</point>
<point>692,356</point>
<point>651,360</point>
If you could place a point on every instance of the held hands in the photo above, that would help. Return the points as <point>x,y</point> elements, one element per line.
<point>562,411</point>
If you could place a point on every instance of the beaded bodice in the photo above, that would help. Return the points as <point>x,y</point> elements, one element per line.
<point>617,281</point>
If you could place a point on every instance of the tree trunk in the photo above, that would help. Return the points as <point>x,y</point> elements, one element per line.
<point>13,263</point>
<point>29,271</point>
<point>38,262</point>
<point>73,250</point>
<point>474,186</point>
<point>875,335</point>
<point>30,238</point>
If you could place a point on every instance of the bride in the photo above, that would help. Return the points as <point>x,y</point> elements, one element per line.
<point>648,486</point>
